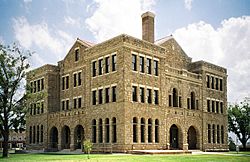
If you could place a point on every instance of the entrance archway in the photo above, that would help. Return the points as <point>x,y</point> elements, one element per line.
<point>54,138</point>
<point>192,138</point>
<point>174,143</point>
<point>79,136</point>
<point>65,137</point>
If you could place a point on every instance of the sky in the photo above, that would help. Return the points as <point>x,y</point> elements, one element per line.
<point>216,31</point>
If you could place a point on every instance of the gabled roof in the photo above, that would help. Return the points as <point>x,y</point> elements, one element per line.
<point>85,43</point>
<point>163,40</point>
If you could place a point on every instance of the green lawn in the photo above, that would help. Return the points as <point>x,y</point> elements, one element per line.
<point>125,158</point>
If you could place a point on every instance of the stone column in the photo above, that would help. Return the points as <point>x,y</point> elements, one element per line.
<point>72,142</point>
<point>185,142</point>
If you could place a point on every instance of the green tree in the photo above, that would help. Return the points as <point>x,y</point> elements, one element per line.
<point>239,121</point>
<point>87,145</point>
<point>13,66</point>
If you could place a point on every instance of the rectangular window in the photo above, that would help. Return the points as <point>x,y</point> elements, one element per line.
<point>63,83</point>
<point>31,87</point>
<point>209,133</point>
<point>213,131</point>
<point>113,62</point>
<point>155,67</point>
<point>94,97</point>
<point>79,78</point>
<point>149,95</point>
<point>212,83</point>
<point>221,107</point>
<point>218,134</point>
<point>100,66</point>
<point>100,96</point>
<point>42,84</point>
<point>67,104</point>
<point>76,54</point>
<point>221,85</point>
<point>134,93</point>
<point>34,87</point>
<point>134,60</point>
<point>197,105</point>
<point>208,106</point>
<point>169,100</point>
<point>75,79</point>
<point>148,65</point>
<point>141,64</point>
<point>142,95</point>
<point>114,94</point>
<point>63,105</point>
<point>75,103</point>
<point>107,65</point>
<point>222,134</point>
<point>180,102</point>
<point>188,103</point>
<point>94,68</point>
<point>156,96</point>
<point>79,102</point>
<point>42,107</point>
<point>213,106</point>
<point>216,83</point>
<point>106,95</point>
<point>208,81</point>
<point>67,82</point>
<point>38,85</point>
<point>217,106</point>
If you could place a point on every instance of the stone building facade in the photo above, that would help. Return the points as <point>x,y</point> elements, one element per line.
<point>128,94</point>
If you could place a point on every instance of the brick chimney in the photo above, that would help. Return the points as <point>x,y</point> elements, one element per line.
<point>148,26</point>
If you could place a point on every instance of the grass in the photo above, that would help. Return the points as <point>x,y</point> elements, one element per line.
<point>126,158</point>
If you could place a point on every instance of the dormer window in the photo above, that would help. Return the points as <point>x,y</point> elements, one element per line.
<point>76,54</point>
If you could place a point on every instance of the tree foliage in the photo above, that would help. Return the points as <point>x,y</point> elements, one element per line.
<point>239,121</point>
<point>87,145</point>
<point>13,66</point>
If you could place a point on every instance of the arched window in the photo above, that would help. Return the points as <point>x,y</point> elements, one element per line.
<point>30,134</point>
<point>192,100</point>
<point>107,135</point>
<point>142,130</point>
<point>157,131</point>
<point>149,130</point>
<point>135,122</point>
<point>114,135</point>
<point>41,134</point>
<point>37,134</point>
<point>94,131</point>
<point>175,98</point>
<point>100,131</point>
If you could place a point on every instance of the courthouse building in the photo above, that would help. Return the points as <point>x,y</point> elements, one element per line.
<point>128,94</point>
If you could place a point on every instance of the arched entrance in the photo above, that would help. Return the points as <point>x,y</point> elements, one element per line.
<point>79,136</point>
<point>174,144</point>
<point>54,138</point>
<point>65,137</point>
<point>192,138</point>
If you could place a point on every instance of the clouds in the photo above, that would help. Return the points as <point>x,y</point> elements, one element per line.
<point>112,18</point>
<point>227,46</point>
<point>71,21</point>
<point>49,41</point>
<point>188,4</point>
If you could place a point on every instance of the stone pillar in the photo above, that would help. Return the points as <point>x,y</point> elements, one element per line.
<point>72,142</point>
<point>59,139</point>
<point>185,142</point>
